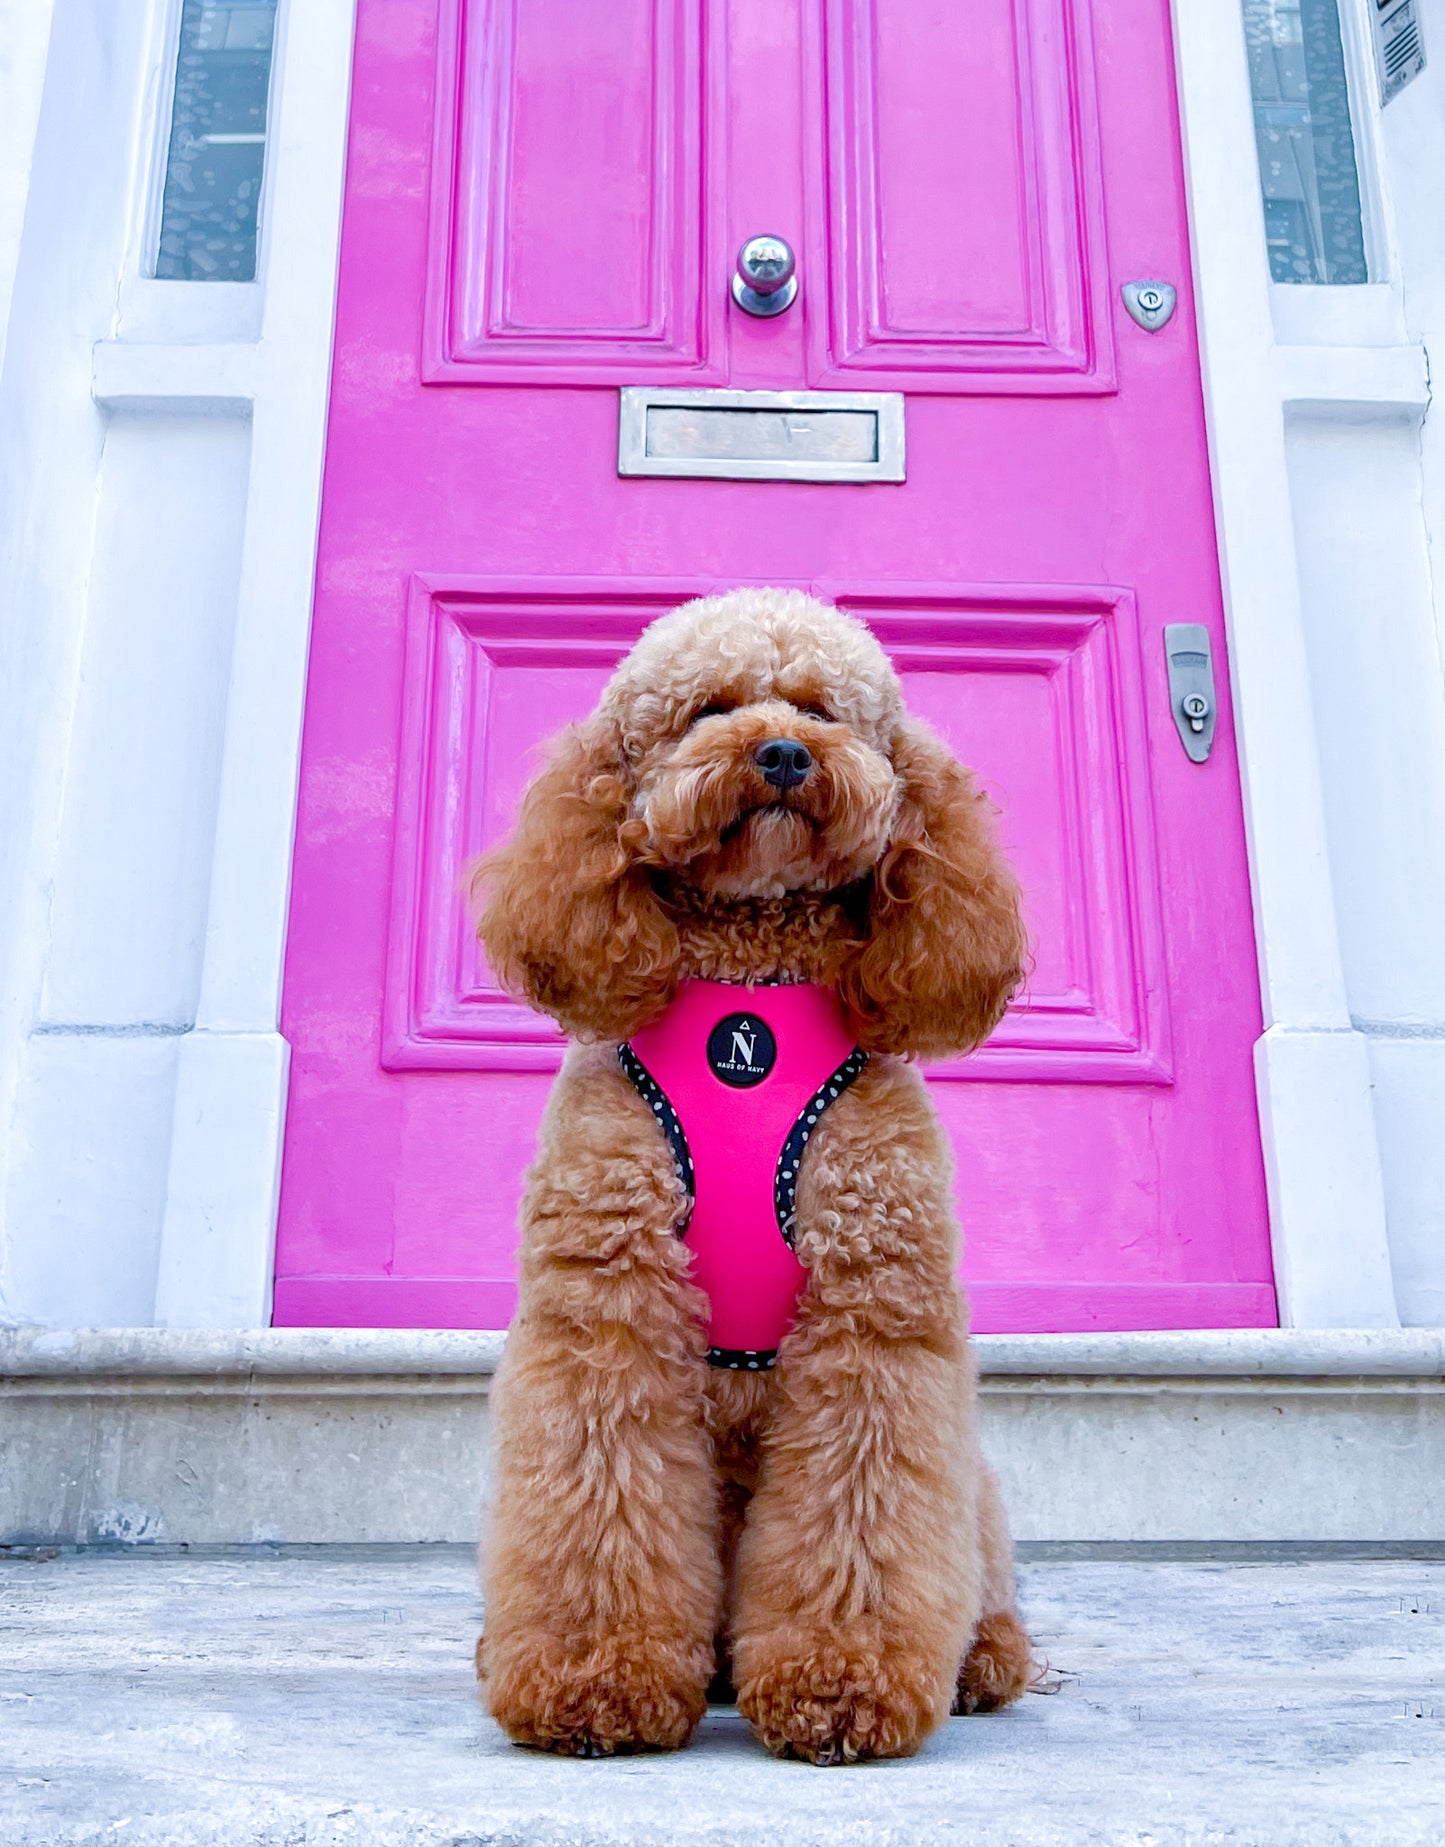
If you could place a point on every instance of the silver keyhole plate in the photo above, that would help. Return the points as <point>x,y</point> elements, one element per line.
<point>1151,304</point>
<point>1191,686</point>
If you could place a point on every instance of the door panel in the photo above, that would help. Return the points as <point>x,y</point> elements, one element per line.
<point>965,205</point>
<point>570,192</point>
<point>957,176</point>
<point>493,669</point>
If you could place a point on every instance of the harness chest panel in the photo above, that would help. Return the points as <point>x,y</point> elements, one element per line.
<point>738,1078</point>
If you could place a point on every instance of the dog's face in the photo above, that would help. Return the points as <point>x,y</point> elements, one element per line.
<point>756,728</point>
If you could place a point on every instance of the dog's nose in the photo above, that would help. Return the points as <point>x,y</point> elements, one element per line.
<point>783,761</point>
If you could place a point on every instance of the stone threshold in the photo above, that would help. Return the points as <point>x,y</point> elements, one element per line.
<point>262,1353</point>
<point>324,1436</point>
<point>1028,1551</point>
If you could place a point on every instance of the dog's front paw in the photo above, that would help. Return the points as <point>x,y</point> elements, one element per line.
<point>621,1693</point>
<point>818,1698</point>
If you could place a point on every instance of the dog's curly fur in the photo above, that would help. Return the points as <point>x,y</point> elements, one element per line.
<point>827,1530</point>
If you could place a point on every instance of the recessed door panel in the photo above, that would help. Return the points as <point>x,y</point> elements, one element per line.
<point>569,192</point>
<point>959,192</point>
<point>492,669</point>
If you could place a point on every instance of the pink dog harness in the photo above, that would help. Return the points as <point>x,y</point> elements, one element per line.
<point>738,1078</point>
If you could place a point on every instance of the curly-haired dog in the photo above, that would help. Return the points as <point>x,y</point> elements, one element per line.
<point>749,804</point>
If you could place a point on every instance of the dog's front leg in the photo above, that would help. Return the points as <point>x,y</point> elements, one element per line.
<point>859,1572</point>
<point>602,1581</point>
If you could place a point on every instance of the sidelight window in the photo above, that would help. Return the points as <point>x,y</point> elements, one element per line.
<point>211,202</point>
<point>1314,225</point>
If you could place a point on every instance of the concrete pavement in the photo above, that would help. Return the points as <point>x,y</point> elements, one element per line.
<point>326,1700</point>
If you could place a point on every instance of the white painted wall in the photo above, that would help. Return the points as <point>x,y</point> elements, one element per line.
<point>160,452</point>
<point>160,460</point>
<point>1368,488</point>
<point>51,442</point>
<point>1380,705</point>
<point>1409,1060</point>
<point>1328,462</point>
<point>129,878</point>
<point>24,41</point>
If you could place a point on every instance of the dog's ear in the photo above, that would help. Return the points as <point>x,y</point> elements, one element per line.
<point>569,918</point>
<point>943,945</point>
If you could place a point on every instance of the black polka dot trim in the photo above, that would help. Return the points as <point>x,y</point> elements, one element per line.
<point>785,1179</point>
<point>743,1359</point>
<point>656,1099</point>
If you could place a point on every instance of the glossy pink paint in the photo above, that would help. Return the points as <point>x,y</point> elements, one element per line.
<point>543,203</point>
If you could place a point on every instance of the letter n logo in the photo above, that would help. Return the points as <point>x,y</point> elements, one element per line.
<point>741,1050</point>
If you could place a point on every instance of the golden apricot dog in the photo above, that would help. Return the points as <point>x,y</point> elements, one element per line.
<point>749,805</point>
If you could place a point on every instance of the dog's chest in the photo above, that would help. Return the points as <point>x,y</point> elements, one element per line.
<point>738,1078</point>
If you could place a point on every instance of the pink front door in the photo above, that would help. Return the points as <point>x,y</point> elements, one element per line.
<point>544,200</point>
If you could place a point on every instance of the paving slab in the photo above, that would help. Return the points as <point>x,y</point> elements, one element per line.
<point>326,1700</point>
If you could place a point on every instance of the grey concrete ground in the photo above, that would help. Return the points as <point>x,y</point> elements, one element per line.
<point>326,1701</point>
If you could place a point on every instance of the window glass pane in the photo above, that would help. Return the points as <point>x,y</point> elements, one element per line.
<point>1306,149</point>
<point>218,142</point>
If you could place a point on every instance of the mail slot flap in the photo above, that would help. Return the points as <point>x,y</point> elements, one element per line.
<point>762,435</point>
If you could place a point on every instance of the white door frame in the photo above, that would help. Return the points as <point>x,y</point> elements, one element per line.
<point>1326,1202</point>
<point>218,1237</point>
<point>1327,1213</point>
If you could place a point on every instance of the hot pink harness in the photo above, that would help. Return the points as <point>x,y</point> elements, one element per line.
<point>738,1078</point>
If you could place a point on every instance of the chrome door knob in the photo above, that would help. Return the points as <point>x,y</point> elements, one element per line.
<point>765,283</point>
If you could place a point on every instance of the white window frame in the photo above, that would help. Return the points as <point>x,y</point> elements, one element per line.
<point>145,245</point>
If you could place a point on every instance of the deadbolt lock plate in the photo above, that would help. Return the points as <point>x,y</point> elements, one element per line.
<point>1191,686</point>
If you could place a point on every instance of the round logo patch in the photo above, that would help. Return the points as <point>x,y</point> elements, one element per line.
<point>741,1050</point>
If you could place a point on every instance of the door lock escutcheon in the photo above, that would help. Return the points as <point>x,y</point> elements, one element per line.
<point>1191,686</point>
<point>1151,304</point>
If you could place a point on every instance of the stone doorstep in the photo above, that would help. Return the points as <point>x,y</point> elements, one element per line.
<point>377,1436</point>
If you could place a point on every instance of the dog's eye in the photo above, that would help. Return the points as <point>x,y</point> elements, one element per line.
<point>810,710</point>
<point>711,710</point>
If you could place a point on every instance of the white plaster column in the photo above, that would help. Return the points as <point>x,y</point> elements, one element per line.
<point>218,1236</point>
<point>1327,1212</point>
